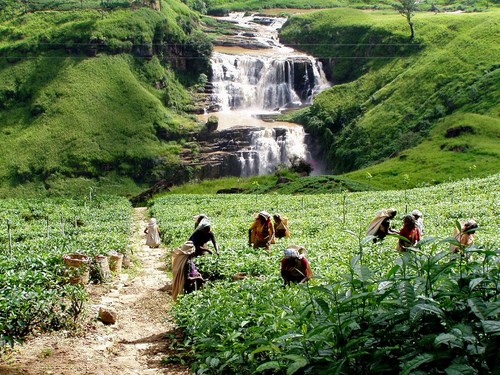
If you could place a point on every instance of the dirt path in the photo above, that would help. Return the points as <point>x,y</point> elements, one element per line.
<point>135,344</point>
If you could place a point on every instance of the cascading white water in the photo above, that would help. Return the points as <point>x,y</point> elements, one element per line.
<point>270,147</point>
<point>263,83</point>
<point>269,83</point>
<point>241,82</point>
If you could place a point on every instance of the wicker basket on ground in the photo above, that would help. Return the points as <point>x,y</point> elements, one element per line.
<point>77,268</point>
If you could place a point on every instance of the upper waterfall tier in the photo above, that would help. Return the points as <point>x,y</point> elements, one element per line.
<point>258,72</point>
<point>269,83</point>
<point>253,78</point>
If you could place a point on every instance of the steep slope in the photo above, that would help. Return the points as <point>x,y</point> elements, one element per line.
<point>391,93</point>
<point>92,98</point>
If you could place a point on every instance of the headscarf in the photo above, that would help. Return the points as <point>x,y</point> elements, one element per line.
<point>416,213</point>
<point>295,251</point>
<point>469,224</point>
<point>264,214</point>
<point>200,217</point>
<point>291,253</point>
<point>204,223</point>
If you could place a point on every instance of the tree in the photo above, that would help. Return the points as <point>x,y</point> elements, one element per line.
<point>407,9</point>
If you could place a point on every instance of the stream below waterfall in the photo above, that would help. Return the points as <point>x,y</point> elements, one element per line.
<point>254,78</point>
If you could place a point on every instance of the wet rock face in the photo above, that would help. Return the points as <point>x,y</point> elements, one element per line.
<point>303,78</point>
<point>220,152</point>
<point>245,151</point>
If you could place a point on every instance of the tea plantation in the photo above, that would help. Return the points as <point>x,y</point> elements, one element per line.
<point>35,293</point>
<point>368,309</point>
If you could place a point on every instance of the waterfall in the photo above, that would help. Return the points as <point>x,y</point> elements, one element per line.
<point>257,83</point>
<point>271,147</point>
<point>269,83</point>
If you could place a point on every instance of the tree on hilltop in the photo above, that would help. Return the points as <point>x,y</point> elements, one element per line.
<point>407,9</point>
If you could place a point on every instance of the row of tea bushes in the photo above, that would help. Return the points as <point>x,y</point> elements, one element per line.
<point>368,309</point>
<point>34,236</point>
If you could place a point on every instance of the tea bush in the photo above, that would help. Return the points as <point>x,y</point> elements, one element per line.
<point>368,309</point>
<point>34,235</point>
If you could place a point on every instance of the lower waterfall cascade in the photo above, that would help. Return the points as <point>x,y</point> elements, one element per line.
<point>271,147</point>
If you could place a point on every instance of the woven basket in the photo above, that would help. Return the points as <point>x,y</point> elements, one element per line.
<point>102,264</point>
<point>115,261</point>
<point>77,268</point>
<point>126,261</point>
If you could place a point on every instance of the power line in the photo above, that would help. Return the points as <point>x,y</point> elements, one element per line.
<point>198,58</point>
<point>63,44</point>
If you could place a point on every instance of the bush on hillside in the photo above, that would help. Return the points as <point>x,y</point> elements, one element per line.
<point>389,93</point>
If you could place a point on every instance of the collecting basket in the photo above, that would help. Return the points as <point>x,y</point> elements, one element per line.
<point>102,268</point>
<point>115,261</point>
<point>77,268</point>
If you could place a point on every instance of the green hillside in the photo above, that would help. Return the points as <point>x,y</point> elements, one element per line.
<point>218,7</point>
<point>442,157</point>
<point>393,94</point>
<point>97,94</point>
<point>90,96</point>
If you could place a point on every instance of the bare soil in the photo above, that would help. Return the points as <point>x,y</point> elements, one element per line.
<point>142,341</point>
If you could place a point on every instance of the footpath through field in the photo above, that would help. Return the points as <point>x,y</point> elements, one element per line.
<point>135,344</point>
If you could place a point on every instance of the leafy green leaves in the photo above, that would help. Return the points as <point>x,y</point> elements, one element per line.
<point>33,290</point>
<point>369,309</point>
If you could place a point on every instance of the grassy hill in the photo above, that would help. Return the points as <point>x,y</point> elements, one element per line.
<point>218,7</point>
<point>97,94</point>
<point>442,156</point>
<point>393,94</point>
<point>282,182</point>
<point>96,98</point>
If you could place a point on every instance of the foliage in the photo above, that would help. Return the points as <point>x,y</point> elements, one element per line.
<point>389,95</point>
<point>34,291</point>
<point>294,184</point>
<point>221,7</point>
<point>300,166</point>
<point>368,309</point>
<point>95,96</point>
<point>407,9</point>
<point>439,158</point>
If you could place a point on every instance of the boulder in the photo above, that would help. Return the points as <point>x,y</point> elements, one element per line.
<point>107,315</point>
<point>283,180</point>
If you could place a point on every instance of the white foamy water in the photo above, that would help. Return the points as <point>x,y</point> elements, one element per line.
<point>250,82</point>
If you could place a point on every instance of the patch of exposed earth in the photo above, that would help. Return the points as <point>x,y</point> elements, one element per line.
<point>140,342</point>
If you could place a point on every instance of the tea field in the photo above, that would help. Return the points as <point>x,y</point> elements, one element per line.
<point>34,235</point>
<point>368,309</point>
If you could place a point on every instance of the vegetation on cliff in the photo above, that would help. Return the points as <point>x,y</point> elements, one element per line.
<point>393,94</point>
<point>97,95</point>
